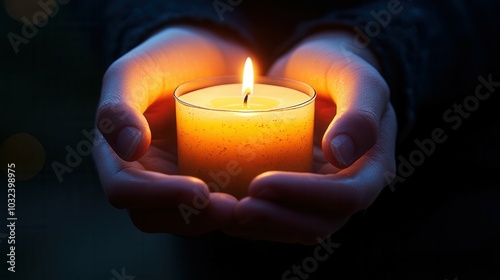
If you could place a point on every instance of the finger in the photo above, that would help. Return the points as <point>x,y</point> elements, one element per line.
<point>351,81</point>
<point>218,213</point>
<point>128,134</point>
<point>159,202</point>
<point>361,96</point>
<point>344,193</point>
<point>334,195</point>
<point>129,185</point>
<point>130,85</point>
<point>261,219</point>
<point>148,73</point>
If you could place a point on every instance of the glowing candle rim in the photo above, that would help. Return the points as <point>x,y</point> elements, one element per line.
<point>225,80</point>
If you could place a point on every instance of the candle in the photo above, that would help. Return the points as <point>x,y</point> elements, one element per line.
<point>229,131</point>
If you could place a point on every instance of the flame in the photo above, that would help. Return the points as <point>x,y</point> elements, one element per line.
<point>248,79</point>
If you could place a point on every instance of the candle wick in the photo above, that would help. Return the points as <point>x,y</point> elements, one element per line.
<point>245,100</point>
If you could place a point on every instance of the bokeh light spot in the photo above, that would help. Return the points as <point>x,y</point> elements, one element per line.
<point>26,152</point>
<point>33,11</point>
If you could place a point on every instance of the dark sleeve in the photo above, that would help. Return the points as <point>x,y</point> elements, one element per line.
<point>126,23</point>
<point>425,47</point>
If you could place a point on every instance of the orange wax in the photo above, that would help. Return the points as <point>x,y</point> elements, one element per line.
<point>227,144</point>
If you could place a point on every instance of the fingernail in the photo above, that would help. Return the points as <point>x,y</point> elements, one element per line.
<point>343,149</point>
<point>127,141</point>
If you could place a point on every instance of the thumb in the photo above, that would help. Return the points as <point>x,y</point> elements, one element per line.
<point>148,73</point>
<point>353,83</point>
<point>361,96</point>
<point>125,129</point>
<point>129,85</point>
<point>348,137</point>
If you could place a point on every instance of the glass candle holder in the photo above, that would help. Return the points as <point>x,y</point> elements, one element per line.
<point>226,140</point>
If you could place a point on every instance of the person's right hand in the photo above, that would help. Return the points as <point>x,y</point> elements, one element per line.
<point>135,151</point>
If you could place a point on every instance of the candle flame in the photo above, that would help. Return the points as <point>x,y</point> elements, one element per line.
<point>248,80</point>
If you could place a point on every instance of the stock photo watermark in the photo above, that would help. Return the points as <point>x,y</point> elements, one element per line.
<point>453,117</point>
<point>75,154</point>
<point>48,8</point>
<point>121,276</point>
<point>381,19</point>
<point>222,6</point>
<point>310,264</point>
<point>11,217</point>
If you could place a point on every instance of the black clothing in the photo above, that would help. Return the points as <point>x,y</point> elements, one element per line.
<point>425,47</point>
<point>433,54</point>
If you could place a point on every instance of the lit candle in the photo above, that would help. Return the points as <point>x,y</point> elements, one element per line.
<point>229,131</point>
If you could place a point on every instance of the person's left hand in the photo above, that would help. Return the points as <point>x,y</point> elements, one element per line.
<point>355,132</point>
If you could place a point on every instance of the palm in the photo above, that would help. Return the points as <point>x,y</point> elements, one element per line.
<point>162,154</point>
<point>325,110</point>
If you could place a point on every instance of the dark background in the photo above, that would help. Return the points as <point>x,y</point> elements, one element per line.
<point>65,229</point>
<point>443,222</point>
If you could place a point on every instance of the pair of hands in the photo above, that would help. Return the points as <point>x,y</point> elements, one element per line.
<point>136,155</point>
